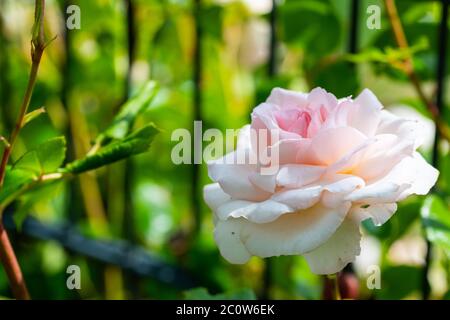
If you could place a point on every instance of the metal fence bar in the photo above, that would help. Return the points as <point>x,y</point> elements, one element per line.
<point>197,113</point>
<point>440,85</point>
<point>354,24</point>
<point>115,252</point>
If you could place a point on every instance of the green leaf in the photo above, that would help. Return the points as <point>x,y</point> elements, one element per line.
<point>123,122</point>
<point>46,157</point>
<point>39,193</point>
<point>436,219</point>
<point>203,294</point>
<point>15,180</point>
<point>135,143</point>
<point>30,116</point>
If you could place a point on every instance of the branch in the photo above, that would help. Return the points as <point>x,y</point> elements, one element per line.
<point>7,256</point>
<point>12,268</point>
<point>408,68</point>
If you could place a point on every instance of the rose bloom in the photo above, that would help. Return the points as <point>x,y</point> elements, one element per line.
<point>340,162</point>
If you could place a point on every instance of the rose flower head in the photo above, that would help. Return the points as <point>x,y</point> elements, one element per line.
<point>333,163</point>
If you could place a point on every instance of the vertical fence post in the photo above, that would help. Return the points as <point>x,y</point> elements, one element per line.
<point>440,84</point>
<point>128,168</point>
<point>197,115</point>
<point>441,66</point>
<point>354,24</point>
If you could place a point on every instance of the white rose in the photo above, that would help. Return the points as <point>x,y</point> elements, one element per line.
<point>340,162</point>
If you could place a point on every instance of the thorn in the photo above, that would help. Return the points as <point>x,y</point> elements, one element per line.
<point>5,141</point>
<point>50,41</point>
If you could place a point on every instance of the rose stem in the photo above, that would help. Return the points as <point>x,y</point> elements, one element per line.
<point>408,68</point>
<point>334,280</point>
<point>7,256</point>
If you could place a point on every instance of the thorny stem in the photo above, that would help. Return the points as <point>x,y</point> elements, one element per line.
<point>7,255</point>
<point>12,268</point>
<point>408,68</point>
<point>434,108</point>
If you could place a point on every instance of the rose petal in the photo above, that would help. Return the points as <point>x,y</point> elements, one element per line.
<point>287,98</point>
<point>364,113</point>
<point>288,150</point>
<point>294,233</point>
<point>382,155</point>
<point>234,177</point>
<point>298,175</point>
<point>227,235</point>
<point>264,182</point>
<point>330,145</point>
<point>379,213</point>
<point>334,193</point>
<point>214,196</point>
<point>257,212</point>
<point>405,129</point>
<point>299,199</point>
<point>416,172</point>
<point>341,249</point>
<point>378,192</point>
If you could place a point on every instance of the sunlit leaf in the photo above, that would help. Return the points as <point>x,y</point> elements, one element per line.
<point>30,116</point>
<point>15,180</point>
<point>123,122</point>
<point>135,143</point>
<point>436,219</point>
<point>46,157</point>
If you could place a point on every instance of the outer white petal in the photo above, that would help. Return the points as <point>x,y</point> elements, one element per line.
<point>264,182</point>
<point>333,189</point>
<point>341,249</point>
<point>379,213</point>
<point>378,192</point>
<point>290,234</point>
<point>257,212</point>
<point>410,129</point>
<point>233,177</point>
<point>412,175</point>
<point>227,235</point>
<point>382,155</point>
<point>214,196</point>
<point>416,172</point>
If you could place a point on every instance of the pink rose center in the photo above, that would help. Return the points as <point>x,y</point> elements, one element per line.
<point>294,120</point>
<point>302,122</point>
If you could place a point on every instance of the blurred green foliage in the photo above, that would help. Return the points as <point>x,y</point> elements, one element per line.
<point>86,77</point>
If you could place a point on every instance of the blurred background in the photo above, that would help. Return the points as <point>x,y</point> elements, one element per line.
<point>140,228</point>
